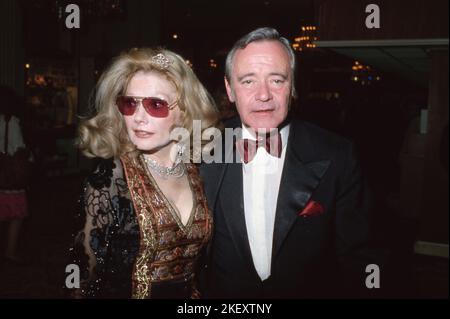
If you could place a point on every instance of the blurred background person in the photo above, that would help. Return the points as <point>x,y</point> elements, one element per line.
<point>14,171</point>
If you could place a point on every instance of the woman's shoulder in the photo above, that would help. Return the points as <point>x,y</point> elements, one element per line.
<point>105,172</point>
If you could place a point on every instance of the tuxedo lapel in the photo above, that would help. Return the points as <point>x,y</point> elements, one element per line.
<point>232,202</point>
<point>224,188</point>
<point>213,173</point>
<point>299,179</point>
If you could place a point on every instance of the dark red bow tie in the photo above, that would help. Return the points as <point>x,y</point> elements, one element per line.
<point>247,148</point>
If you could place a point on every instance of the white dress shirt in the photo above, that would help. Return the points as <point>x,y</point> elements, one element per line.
<point>261,182</point>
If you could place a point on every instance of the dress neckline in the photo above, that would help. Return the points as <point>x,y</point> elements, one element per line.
<point>174,212</point>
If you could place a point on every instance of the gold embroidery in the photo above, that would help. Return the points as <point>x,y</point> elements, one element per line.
<point>168,249</point>
<point>141,280</point>
<point>172,209</point>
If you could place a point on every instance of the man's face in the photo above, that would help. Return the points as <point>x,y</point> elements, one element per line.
<point>260,84</point>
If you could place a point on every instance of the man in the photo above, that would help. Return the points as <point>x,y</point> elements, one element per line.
<point>291,220</point>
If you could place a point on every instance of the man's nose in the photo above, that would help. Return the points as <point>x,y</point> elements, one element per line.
<point>263,92</point>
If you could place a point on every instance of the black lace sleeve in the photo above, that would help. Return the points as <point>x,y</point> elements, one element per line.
<point>97,221</point>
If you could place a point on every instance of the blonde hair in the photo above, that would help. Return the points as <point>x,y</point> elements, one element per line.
<point>105,135</point>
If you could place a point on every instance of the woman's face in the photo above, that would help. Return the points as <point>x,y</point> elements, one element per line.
<point>147,132</point>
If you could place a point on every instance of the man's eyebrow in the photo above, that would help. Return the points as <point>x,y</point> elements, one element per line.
<point>284,76</point>
<point>241,77</point>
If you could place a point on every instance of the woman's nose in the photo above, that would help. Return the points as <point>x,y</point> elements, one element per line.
<point>141,114</point>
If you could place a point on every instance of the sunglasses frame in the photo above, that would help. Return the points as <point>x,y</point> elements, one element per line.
<point>139,99</point>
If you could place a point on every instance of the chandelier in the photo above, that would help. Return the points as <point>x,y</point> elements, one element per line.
<point>306,39</point>
<point>364,74</point>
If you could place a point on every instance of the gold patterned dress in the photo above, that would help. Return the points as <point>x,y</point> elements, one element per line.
<point>133,243</point>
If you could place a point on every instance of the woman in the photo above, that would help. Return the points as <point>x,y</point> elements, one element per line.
<point>13,174</point>
<point>146,216</point>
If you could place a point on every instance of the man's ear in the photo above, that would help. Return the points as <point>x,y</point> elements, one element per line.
<point>230,92</point>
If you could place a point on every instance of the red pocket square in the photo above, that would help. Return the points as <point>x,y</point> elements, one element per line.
<point>311,209</point>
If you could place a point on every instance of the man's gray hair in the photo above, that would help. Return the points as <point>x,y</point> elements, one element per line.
<point>261,34</point>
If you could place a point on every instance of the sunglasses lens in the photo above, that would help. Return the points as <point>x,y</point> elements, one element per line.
<point>156,107</point>
<point>127,105</point>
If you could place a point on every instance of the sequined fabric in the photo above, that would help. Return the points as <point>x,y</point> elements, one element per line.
<point>168,249</point>
<point>130,238</point>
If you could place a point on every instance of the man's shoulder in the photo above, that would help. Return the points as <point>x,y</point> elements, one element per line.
<point>320,134</point>
<point>324,142</point>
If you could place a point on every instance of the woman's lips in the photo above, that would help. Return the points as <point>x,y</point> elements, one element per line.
<point>142,134</point>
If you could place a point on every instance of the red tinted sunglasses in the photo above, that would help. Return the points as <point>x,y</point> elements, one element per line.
<point>154,106</point>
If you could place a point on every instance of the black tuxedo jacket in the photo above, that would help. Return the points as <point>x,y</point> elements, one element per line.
<point>320,255</point>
